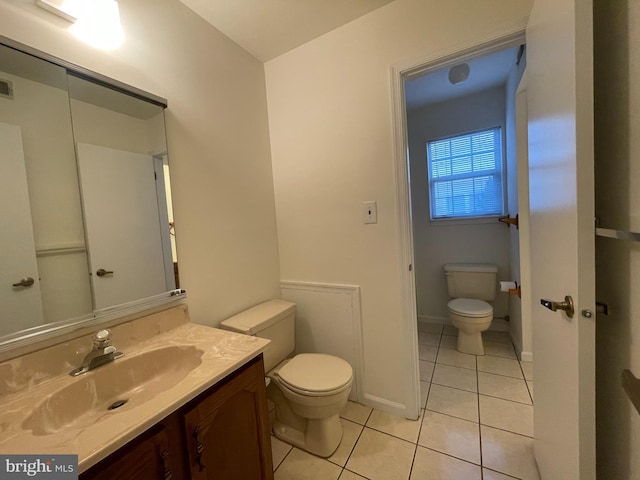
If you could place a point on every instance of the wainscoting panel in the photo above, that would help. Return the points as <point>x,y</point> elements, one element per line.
<point>328,320</point>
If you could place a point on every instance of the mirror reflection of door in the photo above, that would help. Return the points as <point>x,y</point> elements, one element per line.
<point>21,304</point>
<point>123,225</point>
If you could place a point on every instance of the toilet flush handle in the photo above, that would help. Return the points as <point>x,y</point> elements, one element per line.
<point>567,305</point>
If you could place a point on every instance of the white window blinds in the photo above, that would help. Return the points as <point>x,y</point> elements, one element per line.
<point>465,175</point>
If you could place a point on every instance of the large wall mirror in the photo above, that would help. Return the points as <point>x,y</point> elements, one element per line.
<point>84,196</point>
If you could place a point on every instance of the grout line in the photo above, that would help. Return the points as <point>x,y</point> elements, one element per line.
<point>452,416</point>
<point>479,420</point>
<point>501,473</point>
<point>451,456</point>
<point>454,388</point>
<point>284,458</point>
<point>395,436</point>
<point>507,431</point>
<point>505,399</point>
<point>356,442</point>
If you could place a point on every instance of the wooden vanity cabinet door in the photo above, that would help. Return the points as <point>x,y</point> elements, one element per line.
<point>227,432</point>
<point>146,458</point>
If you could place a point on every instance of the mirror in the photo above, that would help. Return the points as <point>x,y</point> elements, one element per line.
<point>85,198</point>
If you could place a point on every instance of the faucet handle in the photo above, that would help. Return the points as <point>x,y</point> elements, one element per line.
<point>102,338</point>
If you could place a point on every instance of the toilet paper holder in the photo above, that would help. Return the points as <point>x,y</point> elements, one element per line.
<point>512,288</point>
<point>508,221</point>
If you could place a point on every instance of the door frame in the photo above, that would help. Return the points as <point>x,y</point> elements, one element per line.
<point>399,73</point>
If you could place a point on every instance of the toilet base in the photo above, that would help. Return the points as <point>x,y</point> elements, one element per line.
<point>470,343</point>
<point>321,438</point>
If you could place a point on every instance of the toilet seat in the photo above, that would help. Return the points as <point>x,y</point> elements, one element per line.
<point>316,374</point>
<point>470,307</point>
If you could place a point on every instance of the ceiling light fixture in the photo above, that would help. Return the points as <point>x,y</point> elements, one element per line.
<point>67,9</point>
<point>459,73</point>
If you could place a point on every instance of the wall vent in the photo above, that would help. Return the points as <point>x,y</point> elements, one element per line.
<point>6,89</point>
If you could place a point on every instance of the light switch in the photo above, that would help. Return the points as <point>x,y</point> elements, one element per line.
<point>369,212</point>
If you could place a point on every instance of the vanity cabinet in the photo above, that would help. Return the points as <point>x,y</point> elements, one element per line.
<point>221,434</point>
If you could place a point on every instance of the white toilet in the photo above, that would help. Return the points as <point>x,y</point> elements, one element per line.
<point>471,286</point>
<point>309,390</point>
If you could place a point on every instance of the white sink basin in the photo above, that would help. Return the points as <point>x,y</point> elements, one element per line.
<point>123,384</point>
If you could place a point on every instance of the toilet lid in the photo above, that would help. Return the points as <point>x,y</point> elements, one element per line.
<point>470,307</point>
<point>316,372</point>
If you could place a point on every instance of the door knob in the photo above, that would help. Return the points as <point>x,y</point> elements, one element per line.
<point>567,305</point>
<point>102,272</point>
<point>25,282</point>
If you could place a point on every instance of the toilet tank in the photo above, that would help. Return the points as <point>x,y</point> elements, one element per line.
<point>274,320</point>
<point>471,280</point>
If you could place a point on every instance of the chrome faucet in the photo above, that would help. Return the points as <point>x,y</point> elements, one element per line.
<point>103,352</point>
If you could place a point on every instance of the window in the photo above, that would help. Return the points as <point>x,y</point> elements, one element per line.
<point>465,175</point>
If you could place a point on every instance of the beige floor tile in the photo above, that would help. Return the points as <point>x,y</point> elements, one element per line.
<point>347,475</point>
<point>428,352</point>
<point>514,389</point>
<point>301,465</point>
<point>356,413</point>
<point>499,366</point>
<point>506,415</point>
<point>426,370</point>
<point>424,393</point>
<point>491,475</point>
<point>426,338</point>
<point>456,359</point>
<point>495,336</point>
<point>527,368</point>
<point>456,377</point>
<point>450,435</point>
<point>350,433</point>
<point>449,330</point>
<point>449,341</point>
<point>454,402</point>
<point>430,327</point>
<point>430,465</point>
<point>393,425</point>
<point>279,450</point>
<point>499,349</point>
<point>530,385</point>
<point>379,456</point>
<point>508,453</point>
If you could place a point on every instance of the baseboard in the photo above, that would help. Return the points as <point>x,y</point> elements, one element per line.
<point>432,319</point>
<point>526,356</point>
<point>385,405</point>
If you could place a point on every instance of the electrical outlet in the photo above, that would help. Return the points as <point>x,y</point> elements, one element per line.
<point>369,212</point>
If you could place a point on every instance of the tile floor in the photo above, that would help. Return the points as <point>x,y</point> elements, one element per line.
<point>476,422</point>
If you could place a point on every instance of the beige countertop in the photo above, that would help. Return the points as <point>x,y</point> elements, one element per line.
<point>23,388</point>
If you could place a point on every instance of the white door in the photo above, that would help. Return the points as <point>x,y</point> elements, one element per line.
<point>122,223</point>
<point>560,107</point>
<point>21,304</point>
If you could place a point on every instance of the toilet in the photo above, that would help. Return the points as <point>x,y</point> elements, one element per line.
<point>309,390</point>
<point>471,286</point>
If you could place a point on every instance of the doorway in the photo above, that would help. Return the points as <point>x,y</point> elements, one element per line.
<point>408,210</point>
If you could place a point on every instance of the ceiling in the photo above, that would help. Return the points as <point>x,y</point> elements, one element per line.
<point>484,72</point>
<point>269,28</point>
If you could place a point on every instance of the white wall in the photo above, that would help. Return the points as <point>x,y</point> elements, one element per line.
<point>617,172</point>
<point>437,243</point>
<point>217,134</point>
<point>331,135</point>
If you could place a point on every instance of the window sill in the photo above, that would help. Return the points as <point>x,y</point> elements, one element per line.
<point>447,222</point>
